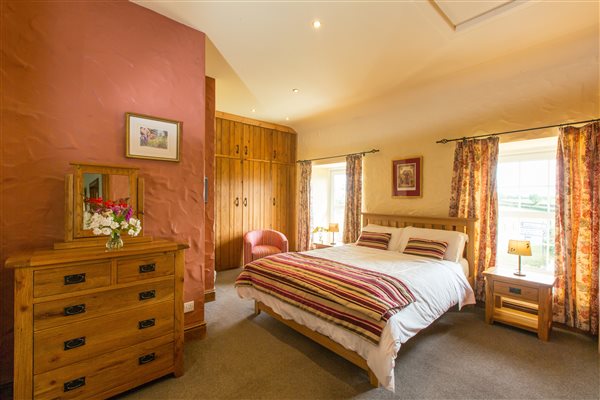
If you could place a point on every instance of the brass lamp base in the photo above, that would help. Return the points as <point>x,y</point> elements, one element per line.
<point>519,273</point>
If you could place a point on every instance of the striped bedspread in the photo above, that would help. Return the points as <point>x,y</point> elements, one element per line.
<point>357,299</point>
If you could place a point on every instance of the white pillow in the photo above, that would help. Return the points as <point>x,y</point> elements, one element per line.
<point>456,240</point>
<point>394,244</point>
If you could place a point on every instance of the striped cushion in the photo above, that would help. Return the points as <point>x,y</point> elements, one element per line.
<point>376,240</point>
<point>426,248</point>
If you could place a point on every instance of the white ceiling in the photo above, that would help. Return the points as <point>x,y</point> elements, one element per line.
<point>260,51</point>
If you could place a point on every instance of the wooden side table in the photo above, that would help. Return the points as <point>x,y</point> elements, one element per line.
<point>521,301</point>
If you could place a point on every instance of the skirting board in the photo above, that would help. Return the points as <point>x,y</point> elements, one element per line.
<point>196,331</point>
<point>210,295</point>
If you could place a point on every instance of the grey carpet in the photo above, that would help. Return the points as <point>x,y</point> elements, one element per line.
<point>457,357</point>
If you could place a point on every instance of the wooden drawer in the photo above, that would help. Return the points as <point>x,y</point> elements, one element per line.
<point>106,371</point>
<point>70,279</point>
<point>145,268</point>
<point>516,291</point>
<point>67,344</point>
<point>74,309</point>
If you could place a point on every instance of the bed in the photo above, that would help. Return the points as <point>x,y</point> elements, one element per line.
<point>437,285</point>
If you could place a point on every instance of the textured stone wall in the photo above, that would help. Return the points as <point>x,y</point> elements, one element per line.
<point>70,71</point>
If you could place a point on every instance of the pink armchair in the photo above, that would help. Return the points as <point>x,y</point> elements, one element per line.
<point>258,244</point>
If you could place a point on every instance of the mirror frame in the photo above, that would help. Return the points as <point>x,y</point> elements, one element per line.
<point>74,218</point>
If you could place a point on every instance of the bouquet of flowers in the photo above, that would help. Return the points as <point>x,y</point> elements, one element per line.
<point>110,218</point>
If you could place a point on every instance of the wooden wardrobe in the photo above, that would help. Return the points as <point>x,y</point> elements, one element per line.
<point>255,172</point>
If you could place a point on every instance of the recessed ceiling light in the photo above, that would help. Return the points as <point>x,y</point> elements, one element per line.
<point>254,110</point>
<point>287,118</point>
<point>316,24</point>
<point>295,90</point>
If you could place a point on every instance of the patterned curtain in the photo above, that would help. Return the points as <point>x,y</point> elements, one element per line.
<point>304,206</point>
<point>353,198</point>
<point>474,195</point>
<point>577,216</point>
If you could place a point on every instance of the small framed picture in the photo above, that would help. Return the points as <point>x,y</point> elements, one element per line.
<point>407,177</point>
<point>153,138</point>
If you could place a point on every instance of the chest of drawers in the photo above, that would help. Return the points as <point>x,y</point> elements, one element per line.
<point>90,323</point>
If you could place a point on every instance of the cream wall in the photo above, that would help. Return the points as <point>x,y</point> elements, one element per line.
<point>550,83</point>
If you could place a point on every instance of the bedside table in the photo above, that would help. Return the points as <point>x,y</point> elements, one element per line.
<point>521,301</point>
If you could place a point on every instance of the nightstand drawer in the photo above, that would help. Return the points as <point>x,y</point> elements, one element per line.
<point>145,268</point>
<point>516,291</point>
<point>71,279</point>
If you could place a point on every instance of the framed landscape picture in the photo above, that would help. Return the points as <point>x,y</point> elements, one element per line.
<point>407,177</point>
<point>151,137</point>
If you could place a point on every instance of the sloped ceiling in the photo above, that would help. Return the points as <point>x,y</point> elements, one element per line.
<point>260,51</point>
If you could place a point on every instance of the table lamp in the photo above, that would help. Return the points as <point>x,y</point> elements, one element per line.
<point>520,248</point>
<point>333,228</point>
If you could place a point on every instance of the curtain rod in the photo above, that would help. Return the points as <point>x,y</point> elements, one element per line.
<point>342,155</point>
<point>444,141</point>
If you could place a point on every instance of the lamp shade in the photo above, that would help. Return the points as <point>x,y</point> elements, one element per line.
<point>334,227</point>
<point>519,247</point>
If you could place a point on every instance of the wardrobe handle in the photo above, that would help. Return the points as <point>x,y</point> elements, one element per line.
<point>245,150</point>
<point>237,201</point>
<point>274,154</point>
<point>273,200</point>
<point>237,149</point>
<point>245,202</point>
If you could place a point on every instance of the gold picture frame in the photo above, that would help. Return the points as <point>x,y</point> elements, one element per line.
<point>152,138</point>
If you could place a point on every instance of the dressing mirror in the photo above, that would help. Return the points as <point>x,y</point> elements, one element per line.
<point>94,181</point>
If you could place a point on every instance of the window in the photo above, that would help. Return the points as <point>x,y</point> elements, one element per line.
<point>338,197</point>
<point>526,198</point>
<point>328,200</point>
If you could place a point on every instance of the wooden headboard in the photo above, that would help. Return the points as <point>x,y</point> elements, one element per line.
<point>465,225</point>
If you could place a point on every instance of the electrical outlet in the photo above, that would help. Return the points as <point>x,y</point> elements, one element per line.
<point>188,307</point>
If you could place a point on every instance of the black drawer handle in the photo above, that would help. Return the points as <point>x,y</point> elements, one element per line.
<point>514,290</point>
<point>74,343</point>
<point>147,323</point>
<point>146,358</point>
<point>150,294</point>
<point>74,310</point>
<point>147,268</point>
<point>74,279</point>
<point>74,384</point>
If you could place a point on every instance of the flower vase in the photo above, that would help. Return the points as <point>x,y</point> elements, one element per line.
<point>114,241</point>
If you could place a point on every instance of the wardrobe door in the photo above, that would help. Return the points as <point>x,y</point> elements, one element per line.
<point>282,198</point>
<point>257,143</point>
<point>228,213</point>
<point>228,138</point>
<point>284,147</point>
<point>257,195</point>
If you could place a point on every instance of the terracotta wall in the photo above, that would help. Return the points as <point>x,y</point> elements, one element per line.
<point>70,71</point>
<point>209,168</point>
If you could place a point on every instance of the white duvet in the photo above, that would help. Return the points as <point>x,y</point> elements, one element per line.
<point>437,286</point>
